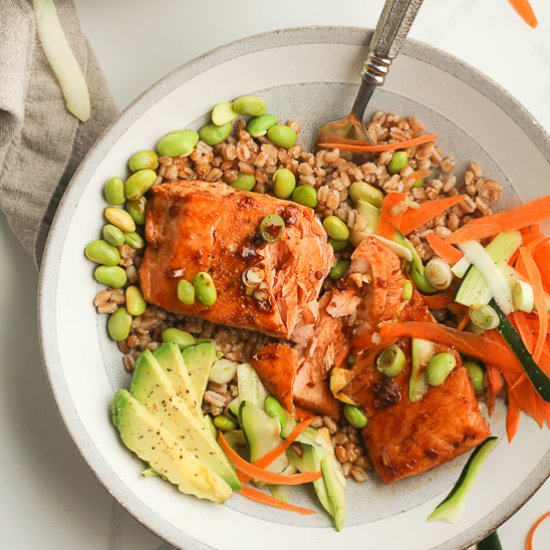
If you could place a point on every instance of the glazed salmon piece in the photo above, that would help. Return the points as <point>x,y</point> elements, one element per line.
<point>197,226</point>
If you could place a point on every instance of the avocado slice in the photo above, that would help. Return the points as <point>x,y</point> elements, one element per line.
<point>335,484</point>
<point>152,388</point>
<point>154,444</point>
<point>171,360</point>
<point>422,351</point>
<point>199,360</point>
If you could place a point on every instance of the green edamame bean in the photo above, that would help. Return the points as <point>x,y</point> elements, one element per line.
<point>119,324</point>
<point>180,337</point>
<point>390,361</point>
<point>476,375</point>
<point>112,234</point>
<point>186,292</point>
<point>134,240</point>
<point>258,127</point>
<point>274,409</point>
<point>205,289</point>
<point>419,183</point>
<point>282,136</point>
<point>224,424</point>
<point>136,209</point>
<point>135,302</point>
<point>111,275</point>
<point>212,134</point>
<point>143,160</point>
<point>398,161</point>
<point>114,191</point>
<point>338,245</point>
<point>362,191</point>
<point>178,143</point>
<point>139,183</point>
<point>339,270</point>
<point>120,218</point>
<point>246,182</point>
<point>439,367</point>
<point>249,105</point>
<point>223,113</point>
<point>336,228</point>
<point>284,183</point>
<point>271,227</point>
<point>101,252</point>
<point>355,416</point>
<point>305,195</point>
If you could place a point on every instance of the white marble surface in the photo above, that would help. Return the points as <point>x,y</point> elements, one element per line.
<point>48,498</point>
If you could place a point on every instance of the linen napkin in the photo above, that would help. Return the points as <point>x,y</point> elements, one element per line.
<point>41,143</point>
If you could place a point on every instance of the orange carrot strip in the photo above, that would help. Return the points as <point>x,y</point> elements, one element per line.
<point>443,249</point>
<point>529,539</point>
<point>535,242</point>
<point>440,300</point>
<point>540,300</point>
<point>525,11</point>
<point>258,496</point>
<point>506,220</point>
<point>260,473</point>
<point>366,147</point>
<point>494,385</point>
<point>542,257</point>
<point>524,330</point>
<point>512,417</point>
<point>414,218</point>
<point>387,221</point>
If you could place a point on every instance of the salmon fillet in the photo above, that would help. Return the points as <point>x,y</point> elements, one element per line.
<point>194,226</point>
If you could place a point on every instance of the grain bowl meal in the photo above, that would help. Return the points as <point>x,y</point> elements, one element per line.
<point>292,317</point>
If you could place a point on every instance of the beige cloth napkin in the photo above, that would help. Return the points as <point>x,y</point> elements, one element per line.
<point>41,143</point>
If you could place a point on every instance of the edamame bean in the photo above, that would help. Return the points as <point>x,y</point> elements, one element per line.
<point>134,240</point>
<point>258,127</point>
<point>135,302</point>
<point>224,424</point>
<point>336,228</point>
<point>101,252</point>
<point>340,269</point>
<point>112,234</point>
<point>114,191</point>
<point>362,191</point>
<point>136,209</point>
<point>205,289</point>
<point>186,292</point>
<point>282,136</point>
<point>305,195</point>
<point>274,409</point>
<point>355,416</point>
<point>284,183</point>
<point>119,324</point>
<point>120,218</point>
<point>418,183</point>
<point>338,245</point>
<point>180,337</point>
<point>476,375</point>
<point>212,134</point>
<point>178,143</point>
<point>390,361</point>
<point>222,371</point>
<point>111,275</point>
<point>398,161</point>
<point>143,160</point>
<point>439,367</point>
<point>246,182</point>
<point>272,227</point>
<point>139,183</point>
<point>223,113</point>
<point>249,105</point>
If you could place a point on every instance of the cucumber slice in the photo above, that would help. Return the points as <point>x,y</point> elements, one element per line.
<point>250,386</point>
<point>422,351</point>
<point>451,508</point>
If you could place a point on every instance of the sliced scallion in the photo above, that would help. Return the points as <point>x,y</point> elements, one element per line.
<point>484,317</point>
<point>523,296</point>
<point>439,274</point>
<point>390,361</point>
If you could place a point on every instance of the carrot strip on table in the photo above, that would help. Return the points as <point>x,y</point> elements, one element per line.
<point>443,249</point>
<point>260,473</point>
<point>535,280</point>
<point>366,147</point>
<point>258,496</point>
<point>414,218</point>
<point>525,11</point>
<point>511,219</point>
<point>388,221</point>
<point>530,534</point>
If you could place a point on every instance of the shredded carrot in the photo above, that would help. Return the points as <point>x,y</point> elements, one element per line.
<point>441,300</point>
<point>261,474</point>
<point>525,11</point>
<point>494,385</point>
<point>542,258</point>
<point>414,218</point>
<point>512,417</point>
<point>443,249</point>
<point>540,300</point>
<point>258,496</point>
<point>519,318</point>
<point>507,220</point>
<point>366,147</point>
<point>388,221</point>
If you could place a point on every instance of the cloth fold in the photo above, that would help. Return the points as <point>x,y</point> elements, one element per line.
<point>41,143</point>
